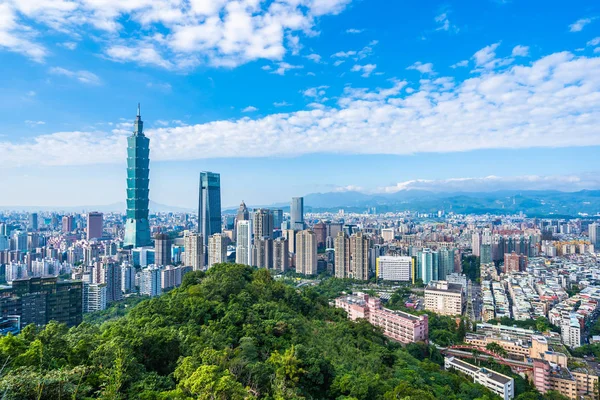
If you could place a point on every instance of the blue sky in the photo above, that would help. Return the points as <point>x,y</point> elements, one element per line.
<point>288,97</point>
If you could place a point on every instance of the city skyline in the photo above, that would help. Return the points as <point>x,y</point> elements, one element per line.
<point>449,99</point>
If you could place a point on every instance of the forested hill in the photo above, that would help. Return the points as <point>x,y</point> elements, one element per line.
<point>232,333</point>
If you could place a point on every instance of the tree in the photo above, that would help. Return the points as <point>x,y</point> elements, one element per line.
<point>496,348</point>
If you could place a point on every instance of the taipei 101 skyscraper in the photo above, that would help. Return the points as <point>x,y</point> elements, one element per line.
<point>137,227</point>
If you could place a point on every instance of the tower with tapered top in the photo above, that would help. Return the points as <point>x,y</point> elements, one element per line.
<point>137,227</point>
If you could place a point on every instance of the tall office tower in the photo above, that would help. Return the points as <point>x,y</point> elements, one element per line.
<point>297,213</point>
<point>243,251</point>
<point>217,249</point>
<point>162,249</point>
<point>341,246</point>
<point>476,243</point>
<point>194,251</point>
<point>281,255</point>
<point>209,205</point>
<point>137,226</point>
<point>262,256</point>
<point>67,224</point>
<point>33,222</point>
<point>263,223</point>
<point>427,265</point>
<point>95,224</point>
<point>4,229</point>
<point>112,278</point>
<point>127,278</point>
<point>277,218</point>
<point>306,253</point>
<point>359,256</point>
<point>594,233</point>
<point>242,215</point>
<point>446,263</point>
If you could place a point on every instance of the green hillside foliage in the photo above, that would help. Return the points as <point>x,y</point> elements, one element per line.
<point>232,333</point>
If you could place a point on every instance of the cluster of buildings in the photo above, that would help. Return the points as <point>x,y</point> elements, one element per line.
<point>397,325</point>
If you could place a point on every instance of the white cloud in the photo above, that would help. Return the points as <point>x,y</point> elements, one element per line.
<point>250,109</point>
<point>486,55</point>
<point>552,102</point>
<point>315,92</point>
<point>281,104</point>
<point>520,51</point>
<point>422,68</point>
<point>172,34</point>
<point>491,183</point>
<point>344,54</point>
<point>338,63</point>
<point>34,123</point>
<point>460,64</point>
<point>594,42</point>
<point>314,57</point>
<point>83,76</point>
<point>283,67</point>
<point>578,25</point>
<point>17,37</point>
<point>365,69</point>
<point>69,45</point>
<point>163,87</point>
<point>354,30</point>
<point>444,23</point>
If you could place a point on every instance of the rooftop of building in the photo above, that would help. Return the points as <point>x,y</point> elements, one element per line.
<point>503,379</point>
<point>464,364</point>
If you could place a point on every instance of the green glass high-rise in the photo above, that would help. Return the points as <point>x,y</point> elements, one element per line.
<point>137,227</point>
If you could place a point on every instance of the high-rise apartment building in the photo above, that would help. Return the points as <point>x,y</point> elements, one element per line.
<point>243,251</point>
<point>112,279</point>
<point>67,224</point>
<point>297,213</point>
<point>290,235</point>
<point>281,254</point>
<point>263,223</point>
<point>162,249</point>
<point>359,256</point>
<point>209,205</point>
<point>33,222</point>
<point>194,251</point>
<point>306,253</point>
<point>277,217</point>
<point>341,248</point>
<point>137,226</point>
<point>242,215</point>
<point>127,278</point>
<point>514,262</point>
<point>150,281</point>
<point>594,234</point>
<point>445,262</point>
<point>95,225</point>
<point>427,265</point>
<point>262,256</point>
<point>217,249</point>
<point>94,297</point>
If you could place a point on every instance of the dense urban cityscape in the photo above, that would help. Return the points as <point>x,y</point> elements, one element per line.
<point>524,291</point>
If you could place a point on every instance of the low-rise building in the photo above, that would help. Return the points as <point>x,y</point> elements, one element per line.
<point>502,385</point>
<point>397,325</point>
<point>444,298</point>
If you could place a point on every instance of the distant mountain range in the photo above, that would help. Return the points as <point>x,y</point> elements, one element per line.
<point>532,203</point>
<point>535,203</point>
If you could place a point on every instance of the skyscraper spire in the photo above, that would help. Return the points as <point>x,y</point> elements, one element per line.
<point>138,125</point>
<point>137,227</point>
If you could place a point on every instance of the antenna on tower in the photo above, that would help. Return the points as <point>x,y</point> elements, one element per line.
<point>138,112</point>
